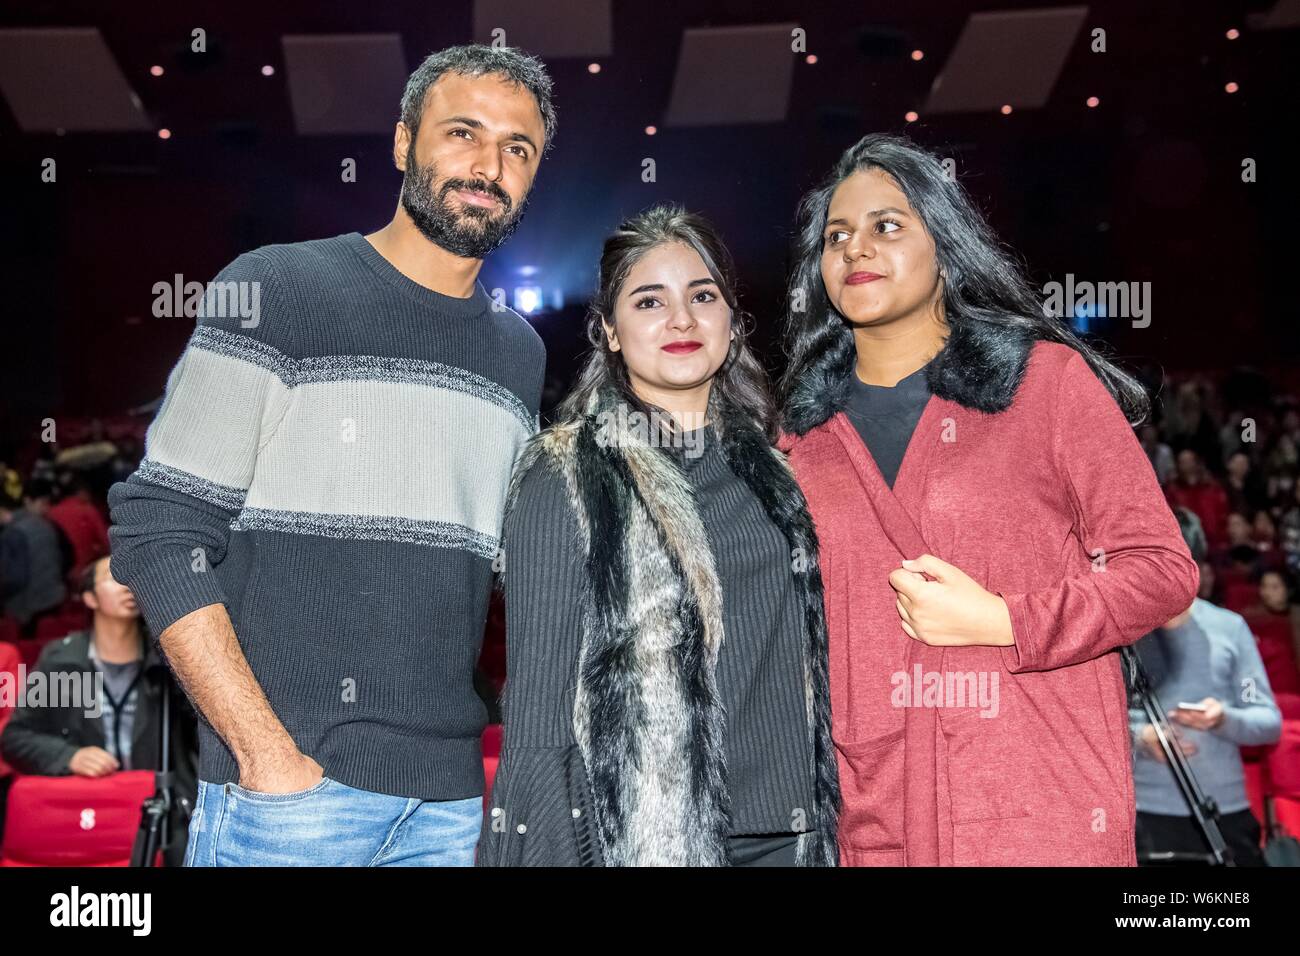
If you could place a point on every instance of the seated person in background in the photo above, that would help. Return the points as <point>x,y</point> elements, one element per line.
<point>1289,526</point>
<point>1244,484</point>
<point>1210,587</point>
<point>1263,536</point>
<point>1239,569</point>
<point>118,728</point>
<point>1275,623</point>
<point>1195,489</point>
<point>1205,656</point>
<point>80,521</point>
<point>1241,533</point>
<point>34,556</point>
<point>1161,455</point>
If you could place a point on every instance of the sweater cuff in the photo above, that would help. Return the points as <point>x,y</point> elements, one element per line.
<point>1236,729</point>
<point>61,765</point>
<point>169,583</point>
<point>1017,656</point>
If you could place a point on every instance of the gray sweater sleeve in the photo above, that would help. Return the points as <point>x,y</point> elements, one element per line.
<point>171,526</point>
<point>1252,718</point>
<point>540,810</point>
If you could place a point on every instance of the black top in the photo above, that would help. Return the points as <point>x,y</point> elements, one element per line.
<point>759,670</point>
<point>886,416</point>
<point>760,664</point>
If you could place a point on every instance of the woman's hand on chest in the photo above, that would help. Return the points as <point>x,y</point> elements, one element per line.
<point>940,605</point>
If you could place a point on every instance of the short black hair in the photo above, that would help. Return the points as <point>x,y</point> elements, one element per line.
<point>87,579</point>
<point>1243,554</point>
<point>37,488</point>
<point>1288,581</point>
<point>478,60</point>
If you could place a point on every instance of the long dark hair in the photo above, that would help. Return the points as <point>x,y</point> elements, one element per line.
<point>740,382</point>
<point>982,281</point>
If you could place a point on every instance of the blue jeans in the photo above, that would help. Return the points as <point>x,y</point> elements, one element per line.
<point>330,824</point>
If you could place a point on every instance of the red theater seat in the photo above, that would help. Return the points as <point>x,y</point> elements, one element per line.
<point>1273,638</point>
<point>74,821</point>
<point>1287,813</point>
<point>9,661</point>
<point>1274,772</point>
<point>67,620</point>
<point>491,754</point>
<point>51,628</point>
<point>492,740</point>
<point>1284,763</point>
<point>29,649</point>
<point>1239,591</point>
<point>1289,704</point>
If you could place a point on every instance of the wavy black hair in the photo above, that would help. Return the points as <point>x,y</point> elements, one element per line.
<point>741,381</point>
<point>983,283</point>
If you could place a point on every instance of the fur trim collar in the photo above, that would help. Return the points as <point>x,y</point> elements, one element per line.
<point>648,717</point>
<point>980,367</point>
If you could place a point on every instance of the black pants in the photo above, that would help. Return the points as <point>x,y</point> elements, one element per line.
<point>1161,833</point>
<point>775,849</point>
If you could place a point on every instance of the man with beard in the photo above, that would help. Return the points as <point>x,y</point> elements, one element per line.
<point>312,530</point>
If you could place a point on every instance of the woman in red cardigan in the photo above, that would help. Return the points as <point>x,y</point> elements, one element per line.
<point>991,531</point>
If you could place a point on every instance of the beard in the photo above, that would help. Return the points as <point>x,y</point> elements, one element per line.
<point>471,232</point>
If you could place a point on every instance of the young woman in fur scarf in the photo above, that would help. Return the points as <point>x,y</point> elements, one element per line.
<point>991,531</point>
<point>667,698</point>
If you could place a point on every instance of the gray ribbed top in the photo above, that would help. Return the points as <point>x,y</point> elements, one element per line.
<point>760,666</point>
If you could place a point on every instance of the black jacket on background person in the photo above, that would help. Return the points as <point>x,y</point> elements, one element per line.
<point>42,740</point>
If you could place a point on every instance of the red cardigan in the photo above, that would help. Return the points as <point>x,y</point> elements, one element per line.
<point>1052,504</point>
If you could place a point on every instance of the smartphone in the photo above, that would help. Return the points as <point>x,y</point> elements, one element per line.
<point>1183,705</point>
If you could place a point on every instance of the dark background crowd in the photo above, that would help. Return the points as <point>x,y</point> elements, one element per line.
<point>1127,163</point>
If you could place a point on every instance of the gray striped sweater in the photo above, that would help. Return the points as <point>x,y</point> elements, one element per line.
<point>333,469</point>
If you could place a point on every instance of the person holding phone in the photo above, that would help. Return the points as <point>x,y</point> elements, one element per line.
<point>1205,668</point>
